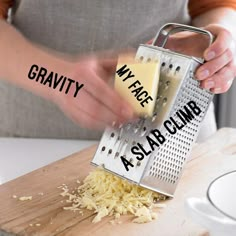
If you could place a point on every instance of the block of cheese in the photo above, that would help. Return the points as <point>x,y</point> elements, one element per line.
<point>137,82</point>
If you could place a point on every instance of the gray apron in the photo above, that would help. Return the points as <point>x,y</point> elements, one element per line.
<point>74,27</point>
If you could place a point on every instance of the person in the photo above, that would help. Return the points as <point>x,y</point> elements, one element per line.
<point>77,40</point>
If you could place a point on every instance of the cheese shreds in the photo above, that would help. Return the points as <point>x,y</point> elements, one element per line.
<point>109,195</point>
<point>25,198</point>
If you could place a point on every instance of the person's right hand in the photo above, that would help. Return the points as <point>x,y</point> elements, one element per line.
<point>97,104</point>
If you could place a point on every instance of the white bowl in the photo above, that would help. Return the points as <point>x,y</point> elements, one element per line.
<point>217,211</point>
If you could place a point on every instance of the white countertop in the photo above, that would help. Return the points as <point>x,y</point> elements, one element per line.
<point>19,156</point>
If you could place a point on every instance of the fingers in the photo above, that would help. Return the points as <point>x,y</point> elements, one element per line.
<point>95,109</point>
<point>97,101</point>
<point>69,106</point>
<point>219,70</point>
<point>220,82</point>
<point>222,42</point>
<point>108,65</point>
<point>211,67</point>
<point>112,100</point>
<point>97,104</point>
<point>82,118</point>
<point>107,96</point>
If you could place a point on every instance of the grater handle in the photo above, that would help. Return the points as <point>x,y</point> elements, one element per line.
<point>172,28</point>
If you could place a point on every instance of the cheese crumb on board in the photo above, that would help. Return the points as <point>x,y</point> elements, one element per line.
<point>37,225</point>
<point>109,195</point>
<point>112,222</point>
<point>25,198</point>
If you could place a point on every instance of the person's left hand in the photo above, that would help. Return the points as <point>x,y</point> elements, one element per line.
<point>219,69</point>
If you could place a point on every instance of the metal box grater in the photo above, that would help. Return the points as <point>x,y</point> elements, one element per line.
<point>159,171</point>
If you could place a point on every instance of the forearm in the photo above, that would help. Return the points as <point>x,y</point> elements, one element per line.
<point>223,16</point>
<point>18,55</point>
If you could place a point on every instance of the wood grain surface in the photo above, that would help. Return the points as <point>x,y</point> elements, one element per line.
<point>208,160</point>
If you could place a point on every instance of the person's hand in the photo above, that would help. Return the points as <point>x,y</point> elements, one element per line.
<point>97,104</point>
<point>219,69</point>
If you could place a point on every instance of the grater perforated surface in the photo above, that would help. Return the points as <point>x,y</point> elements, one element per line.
<point>166,164</point>
<point>161,169</point>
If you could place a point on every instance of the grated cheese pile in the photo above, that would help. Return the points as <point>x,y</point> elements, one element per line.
<point>109,195</point>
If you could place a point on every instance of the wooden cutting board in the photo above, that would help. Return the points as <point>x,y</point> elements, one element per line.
<point>208,160</point>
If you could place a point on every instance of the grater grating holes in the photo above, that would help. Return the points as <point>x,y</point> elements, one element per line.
<point>177,68</point>
<point>173,166</point>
